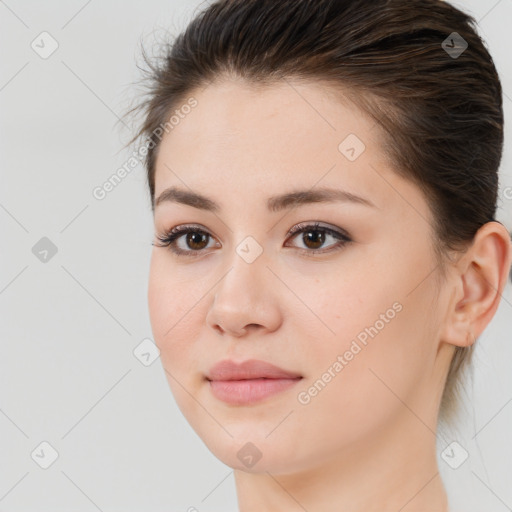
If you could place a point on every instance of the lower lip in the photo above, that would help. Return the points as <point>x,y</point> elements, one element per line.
<point>238,392</point>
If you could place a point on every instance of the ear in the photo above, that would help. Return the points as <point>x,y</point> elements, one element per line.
<point>478,278</point>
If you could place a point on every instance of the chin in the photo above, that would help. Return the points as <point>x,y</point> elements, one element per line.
<point>250,450</point>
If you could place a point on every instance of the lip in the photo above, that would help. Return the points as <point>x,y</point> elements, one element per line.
<point>248,382</point>
<point>250,369</point>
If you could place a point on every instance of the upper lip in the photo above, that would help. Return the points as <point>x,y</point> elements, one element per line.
<point>251,369</point>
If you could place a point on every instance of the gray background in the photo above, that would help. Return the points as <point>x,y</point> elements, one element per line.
<point>69,325</point>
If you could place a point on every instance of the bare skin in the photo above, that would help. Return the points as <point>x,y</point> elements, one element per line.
<point>366,441</point>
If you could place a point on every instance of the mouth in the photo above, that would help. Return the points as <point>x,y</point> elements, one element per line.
<point>248,382</point>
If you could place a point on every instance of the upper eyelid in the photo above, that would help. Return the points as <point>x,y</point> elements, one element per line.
<point>297,228</point>
<point>317,225</point>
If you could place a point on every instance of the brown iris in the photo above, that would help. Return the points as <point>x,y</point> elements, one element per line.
<point>314,236</point>
<point>195,239</point>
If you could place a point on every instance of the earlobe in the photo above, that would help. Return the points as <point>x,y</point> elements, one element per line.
<point>457,329</point>
<point>480,277</point>
<point>456,325</point>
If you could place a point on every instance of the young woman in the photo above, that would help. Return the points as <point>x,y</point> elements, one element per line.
<point>323,176</point>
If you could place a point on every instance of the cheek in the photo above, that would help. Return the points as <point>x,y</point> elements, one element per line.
<point>354,388</point>
<point>173,311</point>
<point>338,301</point>
<point>174,306</point>
<point>382,332</point>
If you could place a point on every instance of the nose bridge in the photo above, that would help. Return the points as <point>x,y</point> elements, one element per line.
<point>247,269</point>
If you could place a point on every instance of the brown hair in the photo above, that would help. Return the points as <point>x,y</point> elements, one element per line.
<point>440,110</point>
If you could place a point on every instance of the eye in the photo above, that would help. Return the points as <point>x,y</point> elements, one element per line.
<point>314,237</point>
<point>194,240</point>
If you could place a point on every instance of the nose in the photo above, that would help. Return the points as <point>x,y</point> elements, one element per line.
<point>245,299</point>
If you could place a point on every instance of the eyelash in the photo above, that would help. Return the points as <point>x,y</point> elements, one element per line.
<point>168,239</point>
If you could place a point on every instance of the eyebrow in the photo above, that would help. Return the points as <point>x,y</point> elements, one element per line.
<point>274,203</point>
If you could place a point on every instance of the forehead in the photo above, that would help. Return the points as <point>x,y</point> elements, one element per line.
<point>231,108</point>
<point>281,130</point>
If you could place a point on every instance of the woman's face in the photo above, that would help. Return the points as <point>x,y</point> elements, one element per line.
<point>356,320</point>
